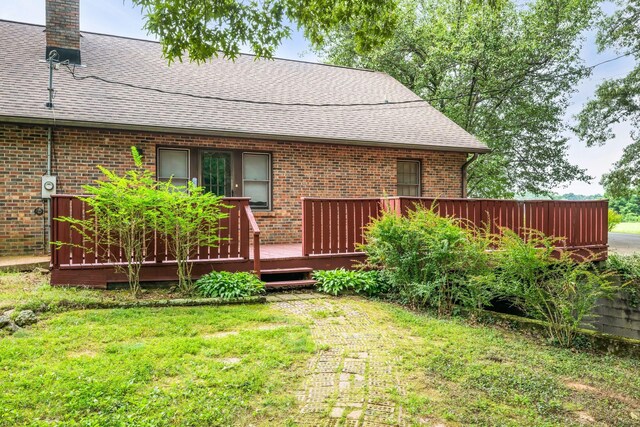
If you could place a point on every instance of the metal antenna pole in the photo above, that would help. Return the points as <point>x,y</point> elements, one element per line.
<point>52,58</point>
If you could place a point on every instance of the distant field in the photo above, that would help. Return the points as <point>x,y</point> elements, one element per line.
<point>627,227</point>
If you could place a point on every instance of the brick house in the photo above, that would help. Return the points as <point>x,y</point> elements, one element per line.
<point>274,131</point>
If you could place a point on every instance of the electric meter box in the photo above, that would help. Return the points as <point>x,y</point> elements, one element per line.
<point>49,185</point>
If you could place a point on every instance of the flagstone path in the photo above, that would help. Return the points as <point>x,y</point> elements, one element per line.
<point>351,380</point>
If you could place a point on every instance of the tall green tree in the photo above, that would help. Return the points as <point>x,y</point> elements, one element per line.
<point>618,99</point>
<point>502,70</point>
<point>207,28</point>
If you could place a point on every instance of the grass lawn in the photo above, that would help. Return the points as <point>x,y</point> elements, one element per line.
<point>627,227</point>
<point>206,366</point>
<point>32,291</point>
<point>241,365</point>
<point>480,375</point>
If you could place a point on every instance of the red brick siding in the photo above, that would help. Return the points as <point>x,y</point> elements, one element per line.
<point>63,23</point>
<point>299,169</point>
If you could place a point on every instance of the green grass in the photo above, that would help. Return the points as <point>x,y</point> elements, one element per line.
<point>478,375</point>
<point>32,291</point>
<point>154,367</point>
<point>240,365</point>
<point>627,227</point>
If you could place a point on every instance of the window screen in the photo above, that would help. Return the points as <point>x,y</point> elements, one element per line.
<point>409,178</point>
<point>174,165</point>
<point>256,179</point>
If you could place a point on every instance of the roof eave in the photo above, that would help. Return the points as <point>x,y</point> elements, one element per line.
<point>235,134</point>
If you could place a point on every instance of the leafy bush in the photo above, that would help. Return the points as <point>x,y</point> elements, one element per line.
<point>122,206</point>
<point>630,217</point>
<point>188,217</point>
<point>442,262</point>
<point>628,268</point>
<point>338,281</point>
<point>614,219</point>
<point>431,260</point>
<point>129,208</point>
<point>223,284</point>
<point>547,284</point>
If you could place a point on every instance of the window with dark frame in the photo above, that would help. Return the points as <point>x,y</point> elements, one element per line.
<point>173,164</point>
<point>256,179</point>
<point>409,178</point>
<point>215,172</point>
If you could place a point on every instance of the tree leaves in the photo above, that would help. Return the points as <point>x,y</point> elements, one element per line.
<point>617,100</point>
<point>502,71</point>
<point>206,28</point>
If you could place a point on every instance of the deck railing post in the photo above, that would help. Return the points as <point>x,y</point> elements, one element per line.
<point>244,232</point>
<point>256,254</point>
<point>307,227</point>
<point>54,231</point>
<point>256,239</point>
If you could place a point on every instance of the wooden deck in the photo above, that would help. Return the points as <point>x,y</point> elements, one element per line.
<point>278,251</point>
<point>331,231</point>
<point>278,258</point>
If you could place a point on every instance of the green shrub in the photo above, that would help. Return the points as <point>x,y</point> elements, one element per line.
<point>630,217</point>
<point>338,281</point>
<point>628,268</point>
<point>548,284</point>
<point>122,205</point>
<point>188,217</point>
<point>614,219</point>
<point>431,260</point>
<point>223,284</point>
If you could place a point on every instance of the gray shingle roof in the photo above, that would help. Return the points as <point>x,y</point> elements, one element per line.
<point>23,89</point>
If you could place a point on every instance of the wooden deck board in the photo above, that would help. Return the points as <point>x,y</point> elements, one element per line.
<point>279,251</point>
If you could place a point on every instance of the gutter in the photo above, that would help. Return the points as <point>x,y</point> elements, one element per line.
<point>463,184</point>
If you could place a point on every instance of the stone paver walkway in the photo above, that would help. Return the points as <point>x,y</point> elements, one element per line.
<point>351,378</point>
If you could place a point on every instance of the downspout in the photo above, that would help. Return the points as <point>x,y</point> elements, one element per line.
<point>49,148</point>
<point>463,184</point>
<point>47,225</point>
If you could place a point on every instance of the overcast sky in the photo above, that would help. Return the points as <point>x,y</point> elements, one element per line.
<point>121,18</point>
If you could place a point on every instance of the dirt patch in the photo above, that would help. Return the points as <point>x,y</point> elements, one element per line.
<point>585,418</point>
<point>270,326</point>
<point>222,334</point>
<point>230,360</point>
<point>82,353</point>
<point>604,393</point>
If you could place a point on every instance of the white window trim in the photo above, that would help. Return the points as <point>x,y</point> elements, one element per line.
<point>269,182</point>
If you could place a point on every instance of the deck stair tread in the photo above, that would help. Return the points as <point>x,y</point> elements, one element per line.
<point>287,270</point>
<point>288,284</point>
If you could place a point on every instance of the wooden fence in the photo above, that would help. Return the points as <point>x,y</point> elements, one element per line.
<point>336,225</point>
<point>78,251</point>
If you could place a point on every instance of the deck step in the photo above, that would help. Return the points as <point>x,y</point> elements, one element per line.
<point>287,270</point>
<point>291,284</point>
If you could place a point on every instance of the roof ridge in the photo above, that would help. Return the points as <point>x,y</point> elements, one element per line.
<point>241,53</point>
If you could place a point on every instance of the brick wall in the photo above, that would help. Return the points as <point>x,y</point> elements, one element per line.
<point>63,23</point>
<point>299,169</point>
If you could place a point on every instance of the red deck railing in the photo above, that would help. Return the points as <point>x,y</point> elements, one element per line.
<point>336,225</point>
<point>234,233</point>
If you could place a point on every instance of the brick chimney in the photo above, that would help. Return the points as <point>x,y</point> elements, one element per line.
<point>63,29</point>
